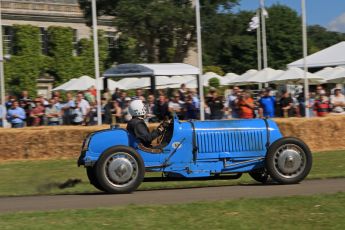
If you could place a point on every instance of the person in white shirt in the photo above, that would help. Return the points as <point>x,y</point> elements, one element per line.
<point>338,101</point>
<point>83,104</point>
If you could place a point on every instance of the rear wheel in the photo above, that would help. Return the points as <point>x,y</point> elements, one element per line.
<point>120,170</point>
<point>288,160</point>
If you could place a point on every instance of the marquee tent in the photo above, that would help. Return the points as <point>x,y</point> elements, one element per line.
<point>65,85</point>
<point>325,72</point>
<point>295,75</point>
<point>153,71</point>
<point>337,76</point>
<point>243,77</point>
<point>209,75</point>
<point>331,56</point>
<point>231,76</point>
<point>263,76</point>
<point>84,83</point>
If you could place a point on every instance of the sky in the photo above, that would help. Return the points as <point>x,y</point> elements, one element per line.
<point>327,13</point>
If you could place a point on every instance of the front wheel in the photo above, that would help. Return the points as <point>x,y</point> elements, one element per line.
<point>288,160</point>
<point>120,169</point>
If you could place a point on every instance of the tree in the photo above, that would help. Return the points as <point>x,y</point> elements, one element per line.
<point>319,38</point>
<point>283,36</point>
<point>163,30</point>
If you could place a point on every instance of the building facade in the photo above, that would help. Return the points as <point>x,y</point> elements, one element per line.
<point>45,13</point>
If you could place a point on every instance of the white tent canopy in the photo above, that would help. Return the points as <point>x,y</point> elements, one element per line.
<point>85,82</point>
<point>65,85</point>
<point>170,69</point>
<point>209,75</point>
<point>337,76</point>
<point>331,56</point>
<point>231,76</point>
<point>295,75</point>
<point>325,72</point>
<point>263,76</point>
<point>243,77</point>
<point>162,69</point>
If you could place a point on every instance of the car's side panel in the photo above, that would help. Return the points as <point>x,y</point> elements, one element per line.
<point>179,150</point>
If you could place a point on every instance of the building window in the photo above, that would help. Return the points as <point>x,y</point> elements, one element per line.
<point>8,39</point>
<point>75,42</point>
<point>44,40</point>
<point>112,41</point>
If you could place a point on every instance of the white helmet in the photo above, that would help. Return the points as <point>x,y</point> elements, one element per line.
<point>137,108</point>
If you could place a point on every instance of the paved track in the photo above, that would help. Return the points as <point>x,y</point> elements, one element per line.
<point>44,203</point>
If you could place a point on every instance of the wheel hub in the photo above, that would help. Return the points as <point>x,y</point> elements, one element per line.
<point>120,170</point>
<point>289,161</point>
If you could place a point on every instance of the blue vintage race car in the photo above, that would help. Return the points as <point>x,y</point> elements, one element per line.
<point>116,163</point>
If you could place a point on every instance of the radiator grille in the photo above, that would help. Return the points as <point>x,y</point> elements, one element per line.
<point>229,141</point>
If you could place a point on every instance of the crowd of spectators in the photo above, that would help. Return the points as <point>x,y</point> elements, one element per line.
<point>81,108</point>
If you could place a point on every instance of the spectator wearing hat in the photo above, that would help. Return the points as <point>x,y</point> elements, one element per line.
<point>16,115</point>
<point>267,104</point>
<point>338,101</point>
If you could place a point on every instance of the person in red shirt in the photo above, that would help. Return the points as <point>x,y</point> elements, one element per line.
<point>246,106</point>
<point>321,106</point>
<point>37,113</point>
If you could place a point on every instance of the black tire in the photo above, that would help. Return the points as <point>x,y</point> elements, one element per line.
<point>260,175</point>
<point>288,160</point>
<point>91,174</point>
<point>120,169</point>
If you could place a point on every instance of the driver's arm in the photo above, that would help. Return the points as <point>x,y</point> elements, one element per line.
<point>142,132</point>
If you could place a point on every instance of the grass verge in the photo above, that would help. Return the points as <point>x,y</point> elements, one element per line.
<point>311,212</point>
<point>45,177</point>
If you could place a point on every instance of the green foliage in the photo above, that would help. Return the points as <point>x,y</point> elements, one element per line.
<point>227,44</point>
<point>214,82</point>
<point>319,38</point>
<point>128,50</point>
<point>161,30</point>
<point>215,69</point>
<point>284,39</point>
<point>61,49</point>
<point>23,69</point>
<point>84,64</point>
<point>27,40</point>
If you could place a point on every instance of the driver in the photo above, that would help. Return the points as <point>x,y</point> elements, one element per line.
<point>137,126</point>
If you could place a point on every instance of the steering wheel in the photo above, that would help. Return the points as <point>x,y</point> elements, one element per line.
<point>161,137</point>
